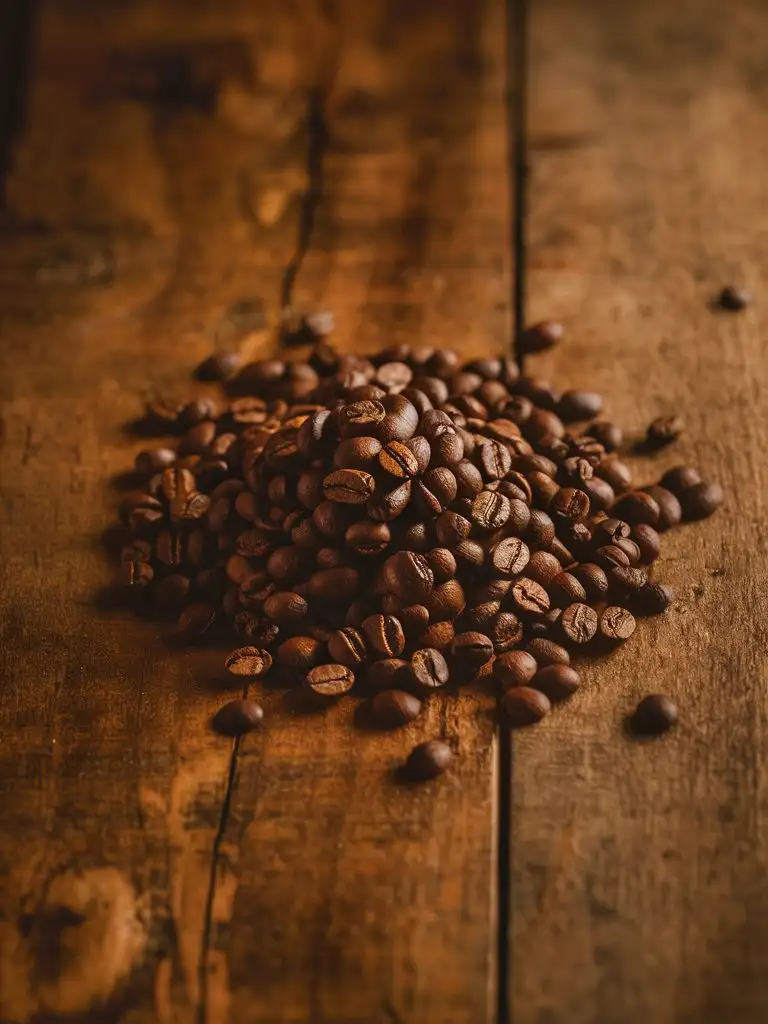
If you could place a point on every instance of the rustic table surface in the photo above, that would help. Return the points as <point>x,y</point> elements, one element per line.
<point>168,165</point>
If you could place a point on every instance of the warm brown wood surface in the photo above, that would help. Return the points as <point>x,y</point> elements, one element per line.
<point>639,868</point>
<point>158,179</point>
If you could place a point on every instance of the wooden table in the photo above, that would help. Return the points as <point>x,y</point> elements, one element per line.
<point>165,160</point>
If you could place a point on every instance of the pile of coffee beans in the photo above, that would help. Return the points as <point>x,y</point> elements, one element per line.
<point>399,525</point>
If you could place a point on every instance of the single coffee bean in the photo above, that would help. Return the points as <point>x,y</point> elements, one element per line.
<point>196,619</point>
<point>627,579</point>
<point>664,430</point>
<point>470,553</point>
<point>447,449</point>
<point>285,563</point>
<point>251,662</point>
<point>414,619</point>
<point>510,556</point>
<point>324,684</point>
<point>630,549</point>
<point>680,479</point>
<point>545,488</point>
<point>357,453</point>
<point>610,557</point>
<point>171,593</point>
<point>547,652</point>
<point>541,336</point>
<point>609,530</point>
<point>384,634</point>
<point>570,503</point>
<point>420,448</point>
<point>653,599</point>
<point>286,608</point>
<point>541,530</point>
<point>429,669</point>
<point>649,543</point>
<point>579,623</point>
<point>393,708</point>
<point>407,575</point>
<point>529,596</point>
<point>655,714</point>
<point>490,510</point>
<point>616,473</point>
<point>514,668</point>
<point>257,628</point>
<point>617,623</point>
<point>637,507</point>
<point>299,654</point>
<point>505,632</point>
<point>367,537</point>
<point>349,486</point>
<point>415,536</point>
<point>387,674</point>
<point>701,500</point>
<point>237,718</point>
<point>428,760</point>
<point>543,567</point>
<point>600,493</point>
<point>330,558</point>
<point>734,298</point>
<point>525,706</point>
<point>558,682</point>
<point>544,625</point>
<point>393,377</point>
<point>494,460</point>
<point>360,419</point>
<point>218,366</point>
<point>347,647</point>
<point>609,435</point>
<point>154,460</point>
<point>398,460</point>
<point>564,589</point>
<point>136,573</point>
<point>435,491</point>
<point>442,563</point>
<point>446,601</point>
<point>471,650</point>
<point>579,405</point>
<point>334,583</point>
<point>450,528</point>
<point>593,579</point>
<point>400,421</point>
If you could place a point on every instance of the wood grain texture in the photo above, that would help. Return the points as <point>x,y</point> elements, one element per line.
<point>639,868</point>
<point>159,179</point>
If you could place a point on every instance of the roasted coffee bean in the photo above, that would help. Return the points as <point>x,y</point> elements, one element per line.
<point>447,449</point>
<point>299,654</point>
<point>616,623</point>
<point>429,669</point>
<point>490,510</point>
<point>541,336</point>
<point>196,619</point>
<point>663,430</point>
<point>680,479</point>
<point>428,760</point>
<point>655,714</point>
<point>154,460</point>
<point>442,563</point>
<point>557,682</point>
<point>415,537</point>
<point>547,652</point>
<point>579,405</point>
<point>335,583</point>
<point>579,623</point>
<point>514,668</point>
<point>349,486</point>
<point>251,662</point>
<point>652,599</point>
<point>649,543</point>
<point>610,557</point>
<point>627,579</point>
<point>347,646</point>
<point>540,391</point>
<point>600,493</point>
<point>630,549</point>
<point>357,453</point>
<point>435,491</point>
<point>505,632</point>
<point>701,500</point>
<point>189,509</point>
<point>524,706</point>
<point>367,537</point>
<point>393,708</point>
<point>196,411</point>
<point>494,460</point>
<point>408,575</point>
<point>420,396</point>
<point>359,419</point>
<point>197,439</point>
<point>734,298</point>
<point>570,503</point>
<point>136,573</point>
<point>471,650</point>
<point>519,517</point>
<point>218,366</point>
<point>541,530</point>
<point>637,507</point>
<point>398,460</point>
<point>171,593</point>
<point>420,449</point>
<point>400,420</point>
<point>388,506</point>
<point>325,684</point>
<point>446,601</point>
<point>616,473</point>
<point>237,718</point>
<point>610,530</point>
<point>387,674</point>
<point>670,511</point>
<point>543,567</point>
<point>593,579</point>
<point>470,553</point>
<point>178,482</point>
<point>438,635</point>
<point>529,596</point>
<point>257,628</point>
<point>564,589</point>
<point>510,556</point>
<point>394,376</point>
<point>609,435</point>
<point>414,619</point>
<point>545,625</point>
<point>384,634</point>
<point>286,608</point>
<point>545,488</point>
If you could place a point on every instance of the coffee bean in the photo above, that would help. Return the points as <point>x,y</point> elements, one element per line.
<point>359,419</point>
<point>447,449</point>
<point>616,623</point>
<point>610,530</point>
<point>510,556</point>
<point>609,435</point>
<point>189,509</point>
<point>384,634</point>
<point>593,579</point>
<point>541,530</point>
<point>178,482</point>
<point>579,405</point>
<point>408,575</point>
<point>525,706</point>
<point>136,573</point>
<point>435,491</point>
<point>171,593</point>
<point>505,632</point>
<point>663,430</point>
<point>543,567</point>
<point>655,714</point>
<point>557,682</point>
<point>367,537</point>
<point>334,583</point>
<point>428,760</point>
<point>415,536</point>
<point>387,674</point>
<point>579,623</point>
<point>570,503</point>
<point>490,510</point>
<point>442,563</point>
<point>545,625</point>
<point>680,479</point>
<point>299,654</point>
<point>470,553</point>
<point>637,507</point>
<point>347,646</point>
<point>471,650</point>
<point>256,628</point>
<point>616,473</point>
<point>648,542</point>
<point>414,619</point>
<point>349,486</point>
<point>652,599</point>
<point>357,453</point>
<point>398,460</point>
<point>324,684</point>
<point>670,511</point>
<point>547,652</point>
<point>251,662</point>
<point>393,708</point>
<point>545,488</point>
<point>701,500</point>
<point>610,557</point>
<point>394,377</point>
<point>400,421</point>
<point>420,449</point>
<point>494,460</point>
<point>514,668</point>
<point>630,549</point>
<point>196,619</point>
<point>388,506</point>
<point>627,579</point>
<point>286,608</point>
<point>529,596</point>
<point>219,366</point>
<point>196,411</point>
<point>429,669</point>
<point>154,460</point>
<point>734,298</point>
<point>446,601</point>
<point>541,336</point>
<point>237,718</point>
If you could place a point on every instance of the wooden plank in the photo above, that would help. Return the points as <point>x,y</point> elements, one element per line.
<point>638,868</point>
<point>343,896</point>
<point>125,239</point>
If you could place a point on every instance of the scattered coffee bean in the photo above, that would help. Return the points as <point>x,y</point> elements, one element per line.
<point>557,682</point>
<point>529,596</point>
<point>515,668</point>
<point>523,705</point>
<point>251,662</point>
<point>428,760</point>
<point>653,599</point>
<point>579,405</point>
<point>637,507</point>
<point>670,510</point>
<point>547,652</point>
<point>680,479</point>
<point>579,623</point>
<point>541,336</point>
<point>429,669</point>
<point>616,623</point>
<point>408,575</point>
<point>349,486</point>
<point>510,556</point>
<point>392,708</point>
<point>655,714</point>
<point>384,634</point>
<point>648,542</point>
<point>324,684</point>
<point>734,298</point>
<point>237,718</point>
<point>347,646</point>
<point>609,435</point>
<point>701,500</point>
<point>471,650</point>
<point>664,430</point>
